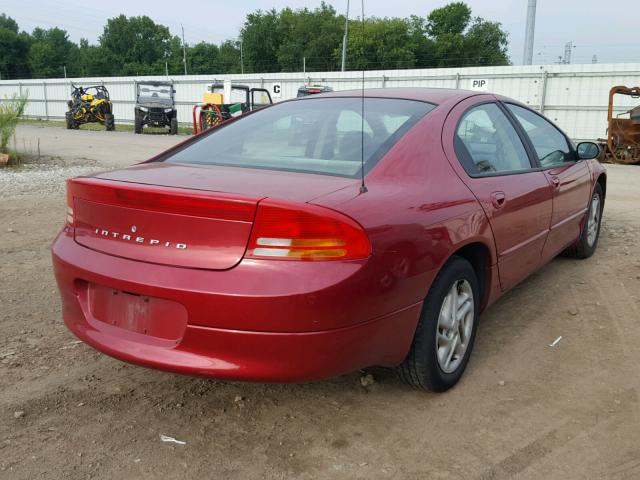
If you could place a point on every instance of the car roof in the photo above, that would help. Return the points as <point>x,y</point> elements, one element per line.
<point>432,95</point>
<point>151,82</point>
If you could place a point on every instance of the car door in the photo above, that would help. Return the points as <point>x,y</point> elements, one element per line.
<point>569,178</point>
<point>496,164</point>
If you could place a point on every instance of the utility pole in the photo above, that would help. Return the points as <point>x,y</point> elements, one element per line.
<point>568,47</point>
<point>241,57</point>
<point>529,34</point>
<point>166,69</point>
<point>304,66</point>
<point>64,69</point>
<point>184,51</point>
<point>345,39</point>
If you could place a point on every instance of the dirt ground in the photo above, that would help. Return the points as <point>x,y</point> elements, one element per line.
<point>524,409</point>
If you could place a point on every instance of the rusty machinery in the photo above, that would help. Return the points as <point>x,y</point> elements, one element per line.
<point>623,132</point>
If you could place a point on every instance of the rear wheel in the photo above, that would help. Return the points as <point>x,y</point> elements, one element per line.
<point>203,122</point>
<point>173,126</point>
<point>109,122</point>
<point>588,241</point>
<point>210,117</point>
<point>446,330</point>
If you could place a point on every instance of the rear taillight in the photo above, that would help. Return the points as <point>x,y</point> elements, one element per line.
<point>305,232</point>
<point>70,217</point>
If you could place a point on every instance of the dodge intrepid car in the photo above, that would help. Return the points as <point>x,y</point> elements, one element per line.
<point>306,240</point>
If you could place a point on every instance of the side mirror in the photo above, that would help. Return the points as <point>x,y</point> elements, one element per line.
<point>587,150</point>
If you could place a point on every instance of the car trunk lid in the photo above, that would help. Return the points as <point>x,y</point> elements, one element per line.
<point>284,185</point>
<point>166,226</point>
<point>182,215</point>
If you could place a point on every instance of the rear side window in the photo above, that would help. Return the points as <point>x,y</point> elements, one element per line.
<point>318,135</point>
<point>487,143</point>
<point>550,144</point>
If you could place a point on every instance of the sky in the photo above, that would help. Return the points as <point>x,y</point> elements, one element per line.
<point>610,35</point>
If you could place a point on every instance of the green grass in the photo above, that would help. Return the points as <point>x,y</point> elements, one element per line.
<point>15,158</point>
<point>120,127</point>
<point>10,112</point>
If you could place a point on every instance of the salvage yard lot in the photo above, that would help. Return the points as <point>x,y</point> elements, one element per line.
<point>524,409</point>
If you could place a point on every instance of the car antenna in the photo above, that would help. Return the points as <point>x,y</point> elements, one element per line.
<point>363,187</point>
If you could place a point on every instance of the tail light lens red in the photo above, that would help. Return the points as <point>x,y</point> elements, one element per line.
<point>305,232</point>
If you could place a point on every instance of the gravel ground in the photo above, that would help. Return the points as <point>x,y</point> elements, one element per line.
<point>46,176</point>
<point>53,154</point>
<point>524,409</point>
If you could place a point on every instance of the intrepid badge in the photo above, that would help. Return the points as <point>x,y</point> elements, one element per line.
<point>136,239</point>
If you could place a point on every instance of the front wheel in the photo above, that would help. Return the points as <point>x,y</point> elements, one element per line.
<point>69,122</point>
<point>173,126</point>
<point>446,330</point>
<point>588,241</point>
<point>137,122</point>
<point>109,122</point>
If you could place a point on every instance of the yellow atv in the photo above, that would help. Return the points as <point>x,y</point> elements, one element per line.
<point>90,104</point>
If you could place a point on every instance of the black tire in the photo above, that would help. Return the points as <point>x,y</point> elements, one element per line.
<point>173,126</point>
<point>583,248</point>
<point>137,122</point>
<point>68,119</point>
<point>421,368</point>
<point>109,122</point>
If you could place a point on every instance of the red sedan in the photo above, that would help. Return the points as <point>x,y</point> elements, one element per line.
<point>304,240</point>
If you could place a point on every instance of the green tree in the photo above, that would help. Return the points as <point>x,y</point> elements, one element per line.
<point>229,57</point>
<point>271,41</point>
<point>382,43</point>
<point>260,41</point>
<point>459,41</point>
<point>312,34</point>
<point>204,58</point>
<point>421,45</point>
<point>138,44</point>
<point>486,43</point>
<point>51,51</point>
<point>446,27</point>
<point>452,19</point>
<point>14,49</point>
<point>95,61</point>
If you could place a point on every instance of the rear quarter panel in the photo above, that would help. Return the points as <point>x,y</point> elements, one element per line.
<point>417,213</point>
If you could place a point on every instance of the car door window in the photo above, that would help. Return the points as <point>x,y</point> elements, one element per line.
<point>550,144</point>
<point>487,143</point>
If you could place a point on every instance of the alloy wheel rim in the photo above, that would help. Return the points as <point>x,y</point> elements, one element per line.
<point>455,325</point>
<point>593,222</point>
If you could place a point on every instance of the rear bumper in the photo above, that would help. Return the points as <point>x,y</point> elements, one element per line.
<point>314,340</point>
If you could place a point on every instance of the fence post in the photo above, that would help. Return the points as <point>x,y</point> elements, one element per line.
<point>543,90</point>
<point>457,80</point>
<point>46,101</point>
<point>384,81</point>
<point>20,88</point>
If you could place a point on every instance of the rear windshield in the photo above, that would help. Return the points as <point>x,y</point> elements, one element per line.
<point>320,135</point>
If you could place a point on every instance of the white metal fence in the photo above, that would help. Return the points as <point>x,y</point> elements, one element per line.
<point>574,96</point>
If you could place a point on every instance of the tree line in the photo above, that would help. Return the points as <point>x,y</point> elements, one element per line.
<point>269,41</point>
